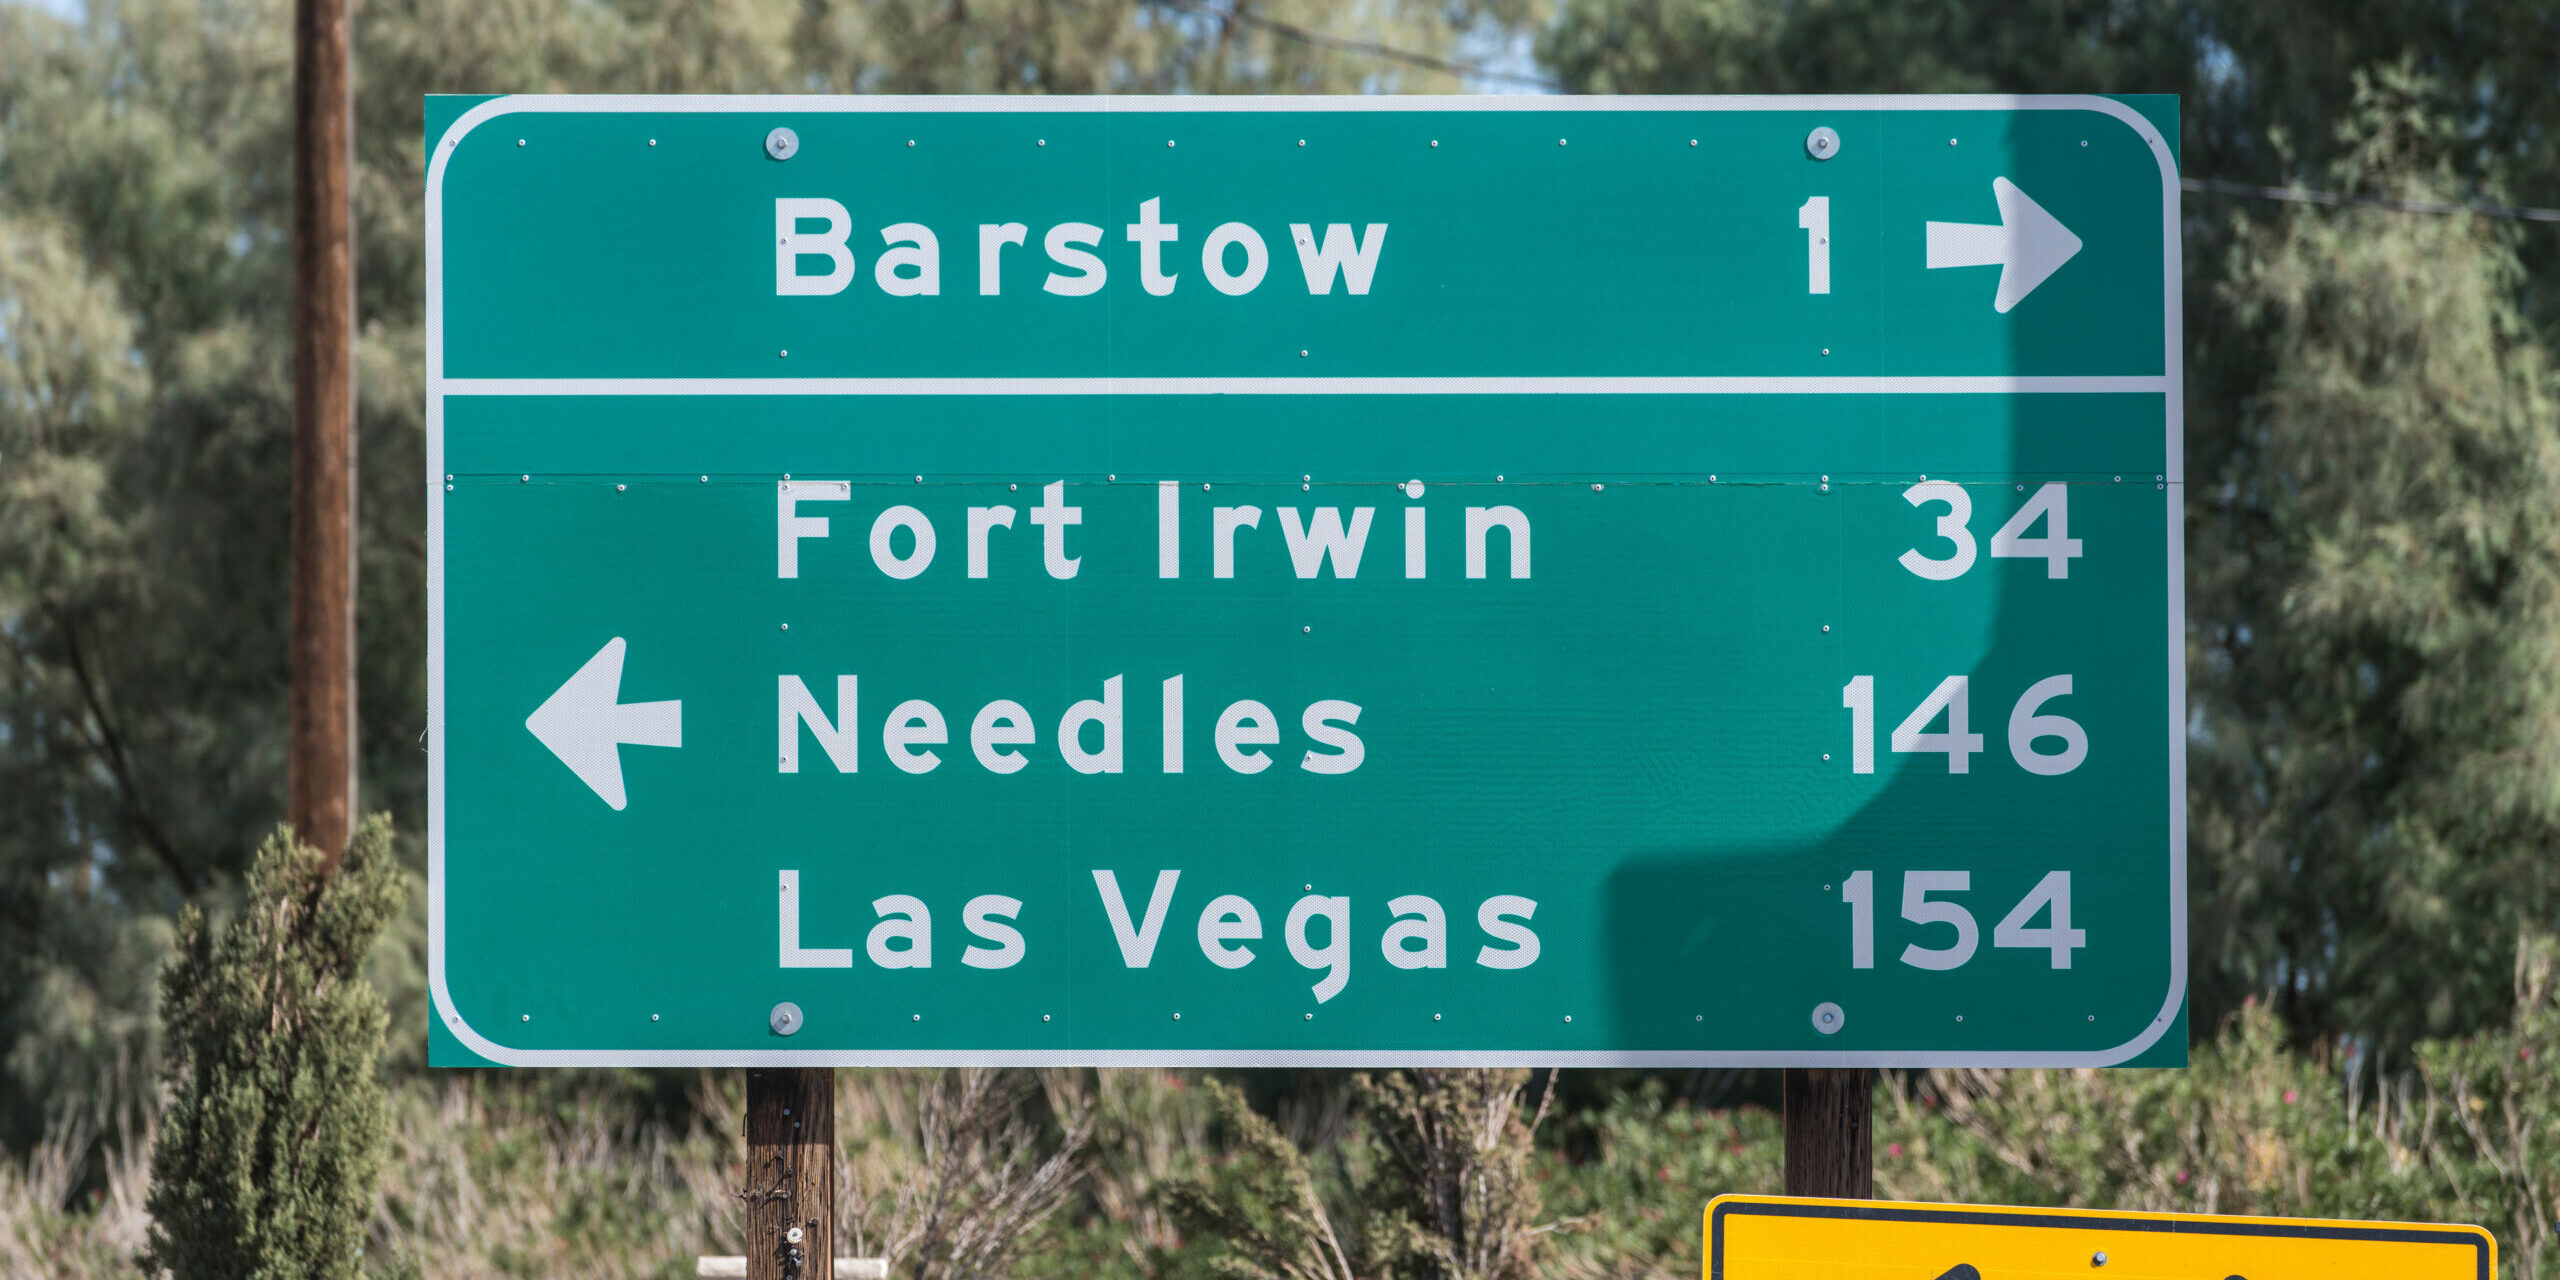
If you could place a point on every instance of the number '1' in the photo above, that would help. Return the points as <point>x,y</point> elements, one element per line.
<point>1815,218</point>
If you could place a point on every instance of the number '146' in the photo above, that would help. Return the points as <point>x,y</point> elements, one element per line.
<point>1952,701</point>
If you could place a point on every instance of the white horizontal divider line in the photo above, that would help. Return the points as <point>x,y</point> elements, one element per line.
<point>1377,386</point>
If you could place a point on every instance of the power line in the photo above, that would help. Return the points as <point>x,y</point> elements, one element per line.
<point>1363,48</point>
<point>2299,195</point>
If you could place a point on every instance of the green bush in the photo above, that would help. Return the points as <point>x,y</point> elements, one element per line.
<point>271,1152</point>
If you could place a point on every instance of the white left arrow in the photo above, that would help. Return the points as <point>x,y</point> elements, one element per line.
<point>586,724</point>
<point>2028,245</point>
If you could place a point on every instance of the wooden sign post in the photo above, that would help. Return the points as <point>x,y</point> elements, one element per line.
<point>1830,1132</point>
<point>791,1173</point>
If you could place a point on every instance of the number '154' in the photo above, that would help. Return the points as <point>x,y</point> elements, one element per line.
<point>2051,898</point>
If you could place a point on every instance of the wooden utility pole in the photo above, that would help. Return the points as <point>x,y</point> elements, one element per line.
<point>321,765</point>
<point>791,1173</point>
<point>1830,1125</point>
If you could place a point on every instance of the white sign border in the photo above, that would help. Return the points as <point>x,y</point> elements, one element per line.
<point>2170,384</point>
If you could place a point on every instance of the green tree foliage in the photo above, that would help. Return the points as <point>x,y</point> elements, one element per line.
<point>271,1152</point>
<point>2382,788</point>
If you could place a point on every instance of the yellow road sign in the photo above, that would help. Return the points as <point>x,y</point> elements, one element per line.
<point>1775,1238</point>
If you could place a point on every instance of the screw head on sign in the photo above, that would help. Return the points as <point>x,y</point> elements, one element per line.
<point>1821,144</point>
<point>1828,1018</point>
<point>2098,1259</point>
<point>782,144</point>
<point>785,1019</point>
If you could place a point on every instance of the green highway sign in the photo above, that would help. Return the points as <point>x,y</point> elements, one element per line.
<point>1305,581</point>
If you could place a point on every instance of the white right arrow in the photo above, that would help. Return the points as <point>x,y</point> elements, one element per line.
<point>585,723</point>
<point>2027,246</point>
